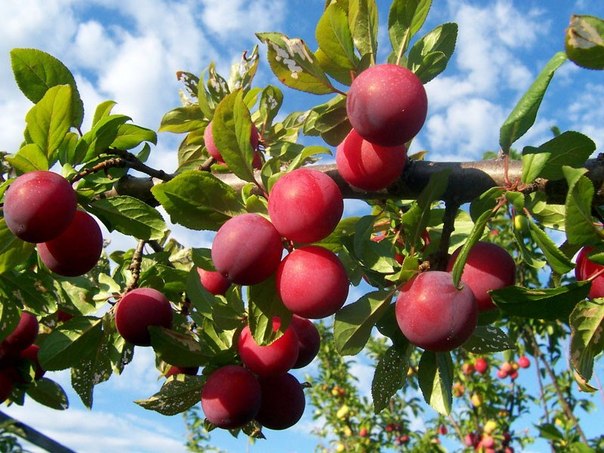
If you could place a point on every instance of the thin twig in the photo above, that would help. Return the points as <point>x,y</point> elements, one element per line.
<point>135,265</point>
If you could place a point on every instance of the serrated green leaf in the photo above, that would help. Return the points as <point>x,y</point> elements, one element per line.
<point>363,20</point>
<point>177,348</point>
<point>130,216</point>
<point>390,375</point>
<point>524,113</point>
<point>569,148</point>
<point>182,119</point>
<point>50,119</point>
<point>579,223</point>
<point>405,19</point>
<point>264,304</point>
<point>584,41</point>
<point>13,251</point>
<point>178,394</point>
<point>29,158</point>
<point>130,136</point>
<point>557,260</point>
<point>29,290</point>
<point>294,64</point>
<point>540,303</point>
<point>48,393</point>
<point>99,138</point>
<point>355,321</point>
<point>587,337</point>
<point>70,341</point>
<point>435,375</point>
<point>198,200</point>
<point>488,339</point>
<point>37,71</point>
<point>430,55</point>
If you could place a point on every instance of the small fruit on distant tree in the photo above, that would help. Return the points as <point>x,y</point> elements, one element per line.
<point>273,359</point>
<point>76,250</point>
<point>213,281</point>
<point>312,282</point>
<point>247,249</point>
<point>481,365</point>
<point>39,205</point>
<point>282,403</point>
<point>387,104</point>
<point>434,314</point>
<point>231,397</point>
<point>524,362</point>
<point>139,309</point>
<point>487,268</point>
<point>305,205</point>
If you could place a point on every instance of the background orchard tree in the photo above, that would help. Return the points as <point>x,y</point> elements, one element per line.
<point>282,250</point>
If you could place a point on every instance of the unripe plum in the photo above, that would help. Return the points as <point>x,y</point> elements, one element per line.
<point>309,340</point>
<point>305,205</point>
<point>435,315</point>
<point>247,249</point>
<point>31,354</point>
<point>387,104</point>
<point>76,250</point>
<point>231,397</point>
<point>213,281</point>
<point>368,166</point>
<point>312,282</point>
<point>282,403</point>
<point>275,358</point>
<point>487,268</point>
<point>586,268</point>
<point>208,138</point>
<point>39,205</point>
<point>137,310</point>
<point>24,334</point>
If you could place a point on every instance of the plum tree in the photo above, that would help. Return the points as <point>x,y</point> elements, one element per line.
<point>434,314</point>
<point>39,205</point>
<point>139,309</point>
<point>488,267</point>
<point>318,205</point>
<point>76,250</point>
<point>369,166</point>
<point>312,282</point>
<point>231,397</point>
<point>247,249</point>
<point>283,402</point>
<point>587,269</point>
<point>387,104</point>
<point>309,340</point>
<point>273,359</point>
<point>213,281</point>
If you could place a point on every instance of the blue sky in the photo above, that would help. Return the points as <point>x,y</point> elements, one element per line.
<point>129,51</point>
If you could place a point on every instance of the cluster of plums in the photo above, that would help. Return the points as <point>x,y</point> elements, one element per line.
<point>41,207</point>
<point>386,106</point>
<point>19,355</point>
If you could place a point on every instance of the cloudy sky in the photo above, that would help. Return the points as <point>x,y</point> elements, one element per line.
<point>129,51</point>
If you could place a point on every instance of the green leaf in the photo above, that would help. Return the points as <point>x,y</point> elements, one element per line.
<point>405,19</point>
<point>103,110</point>
<point>335,43</point>
<point>271,100</point>
<point>294,64</point>
<point>99,138</point>
<point>569,148</point>
<point>485,202</point>
<point>177,348</point>
<point>430,55</point>
<point>178,394</point>
<point>264,304</point>
<point>50,119</point>
<point>488,339</point>
<point>13,251</point>
<point>130,216</point>
<point>584,41</point>
<point>541,303</point>
<point>36,72</point>
<point>524,113</point>
<point>231,130</point>
<point>473,238</point>
<point>242,74</point>
<point>355,321</point>
<point>130,136</point>
<point>436,380</point>
<point>363,19</point>
<point>587,338</point>
<point>557,260</point>
<point>182,119</point>
<point>29,158</point>
<point>67,343</point>
<point>329,120</point>
<point>198,200</point>
<point>579,223</point>
<point>390,375</point>
<point>48,393</point>
<point>27,289</point>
